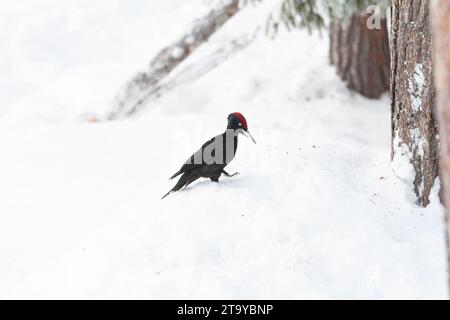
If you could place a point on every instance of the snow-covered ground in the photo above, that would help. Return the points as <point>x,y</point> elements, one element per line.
<point>317,211</point>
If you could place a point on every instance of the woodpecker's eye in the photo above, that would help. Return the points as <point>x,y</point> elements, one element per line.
<point>240,124</point>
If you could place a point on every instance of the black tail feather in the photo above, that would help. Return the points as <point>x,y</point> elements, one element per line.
<point>176,174</point>
<point>166,194</point>
<point>185,180</point>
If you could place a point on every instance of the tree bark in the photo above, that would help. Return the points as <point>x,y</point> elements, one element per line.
<point>147,84</point>
<point>441,18</point>
<point>361,55</point>
<point>414,128</point>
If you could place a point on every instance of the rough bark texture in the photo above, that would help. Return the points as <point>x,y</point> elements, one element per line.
<point>361,55</point>
<point>147,84</point>
<point>441,18</point>
<point>414,128</point>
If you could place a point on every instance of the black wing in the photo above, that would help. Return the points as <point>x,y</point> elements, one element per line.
<point>190,163</point>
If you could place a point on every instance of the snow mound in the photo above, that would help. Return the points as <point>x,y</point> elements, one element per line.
<point>317,211</point>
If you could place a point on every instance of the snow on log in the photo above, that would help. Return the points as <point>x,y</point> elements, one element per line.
<point>147,84</point>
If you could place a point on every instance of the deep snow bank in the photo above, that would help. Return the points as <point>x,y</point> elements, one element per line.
<point>316,212</point>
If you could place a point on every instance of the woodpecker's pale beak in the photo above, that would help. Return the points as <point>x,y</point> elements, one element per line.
<point>248,135</point>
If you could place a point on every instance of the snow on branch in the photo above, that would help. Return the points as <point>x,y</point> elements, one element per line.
<point>146,84</point>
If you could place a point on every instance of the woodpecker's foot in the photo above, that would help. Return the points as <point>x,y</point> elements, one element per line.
<point>230,175</point>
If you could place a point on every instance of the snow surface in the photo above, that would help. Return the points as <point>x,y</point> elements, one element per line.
<point>317,211</point>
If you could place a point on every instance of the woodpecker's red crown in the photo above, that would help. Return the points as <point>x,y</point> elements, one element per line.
<point>240,118</point>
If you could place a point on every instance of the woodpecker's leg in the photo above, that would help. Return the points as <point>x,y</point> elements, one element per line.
<point>215,179</point>
<point>230,175</point>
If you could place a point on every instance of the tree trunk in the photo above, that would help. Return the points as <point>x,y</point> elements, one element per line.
<point>149,83</point>
<point>361,55</point>
<point>414,128</point>
<point>441,17</point>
